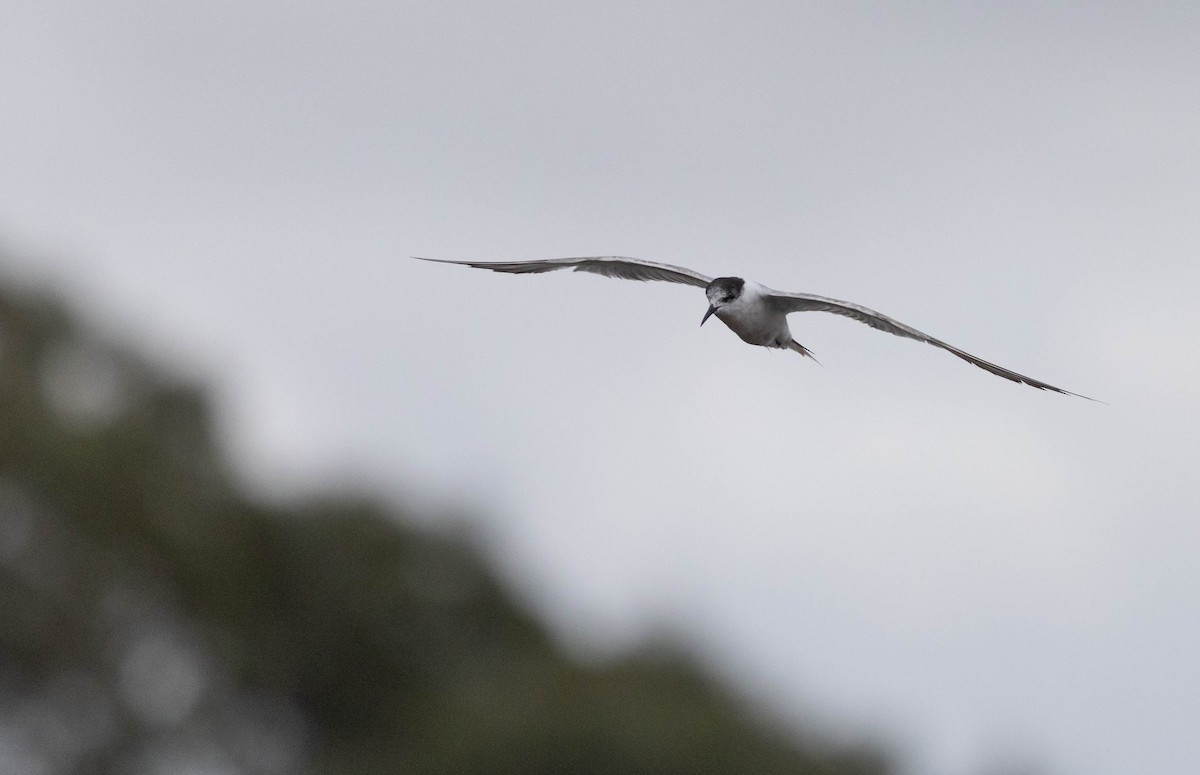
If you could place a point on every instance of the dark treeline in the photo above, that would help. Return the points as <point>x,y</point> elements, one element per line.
<point>155,619</point>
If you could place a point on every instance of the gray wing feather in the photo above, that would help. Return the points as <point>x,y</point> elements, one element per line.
<point>806,302</point>
<point>610,266</point>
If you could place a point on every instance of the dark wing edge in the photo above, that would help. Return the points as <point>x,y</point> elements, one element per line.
<point>803,302</point>
<point>621,267</point>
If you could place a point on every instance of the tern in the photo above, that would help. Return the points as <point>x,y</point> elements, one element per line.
<point>754,312</point>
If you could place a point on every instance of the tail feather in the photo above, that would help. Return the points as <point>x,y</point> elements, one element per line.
<point>802,350</point>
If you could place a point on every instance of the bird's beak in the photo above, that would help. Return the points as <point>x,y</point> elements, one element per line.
<point>711,309</point>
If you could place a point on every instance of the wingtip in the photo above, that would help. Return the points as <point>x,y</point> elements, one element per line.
<point>1060,391</point>
<point>438,260</point>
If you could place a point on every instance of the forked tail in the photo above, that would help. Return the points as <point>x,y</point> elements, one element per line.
<point>802,350</point>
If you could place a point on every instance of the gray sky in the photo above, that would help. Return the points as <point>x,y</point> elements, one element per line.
<point>905,543</point>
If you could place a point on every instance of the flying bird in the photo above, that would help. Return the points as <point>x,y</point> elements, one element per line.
<point>754,312</point>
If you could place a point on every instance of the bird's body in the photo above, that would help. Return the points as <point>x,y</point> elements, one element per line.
<point>754,312</point>
<point>750,317</point>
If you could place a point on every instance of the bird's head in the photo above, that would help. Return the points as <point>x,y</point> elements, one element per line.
<point>722,291</point>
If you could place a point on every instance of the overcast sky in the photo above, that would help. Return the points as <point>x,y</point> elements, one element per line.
<point>894,539</point>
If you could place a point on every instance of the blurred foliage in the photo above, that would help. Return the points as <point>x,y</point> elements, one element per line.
<point>154,619</point>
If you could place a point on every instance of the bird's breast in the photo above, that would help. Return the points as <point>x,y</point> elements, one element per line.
<point>756,325</point>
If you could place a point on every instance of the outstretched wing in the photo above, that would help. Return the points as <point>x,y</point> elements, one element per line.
<point>807,302</point>
<point>609,266</point>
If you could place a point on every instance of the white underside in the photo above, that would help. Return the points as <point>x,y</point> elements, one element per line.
<point>751,319</point>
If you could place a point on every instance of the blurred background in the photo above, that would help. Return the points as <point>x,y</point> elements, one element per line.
<point>276,499</point>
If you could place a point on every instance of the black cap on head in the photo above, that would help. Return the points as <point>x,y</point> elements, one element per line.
<point>725,289</point>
